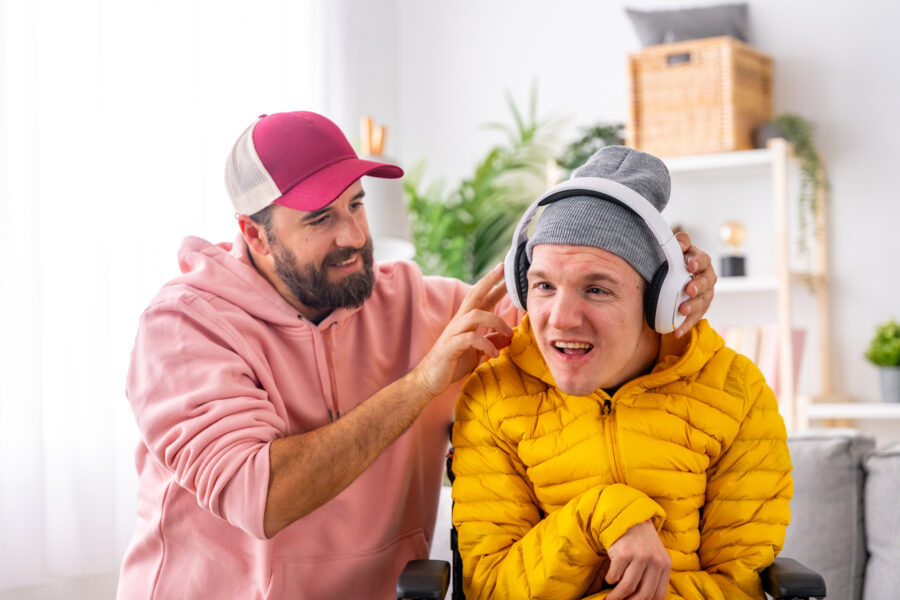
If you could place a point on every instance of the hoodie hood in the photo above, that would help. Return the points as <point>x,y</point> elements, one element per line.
<point>225,270</point>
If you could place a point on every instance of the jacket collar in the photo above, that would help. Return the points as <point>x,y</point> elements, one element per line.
<point>677,357</point>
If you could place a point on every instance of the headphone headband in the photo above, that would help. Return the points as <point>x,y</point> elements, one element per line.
<point>671,289</point>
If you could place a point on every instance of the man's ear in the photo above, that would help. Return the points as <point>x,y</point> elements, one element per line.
<point>254,234</point>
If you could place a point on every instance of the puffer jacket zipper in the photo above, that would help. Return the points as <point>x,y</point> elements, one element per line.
<point>611,436</point>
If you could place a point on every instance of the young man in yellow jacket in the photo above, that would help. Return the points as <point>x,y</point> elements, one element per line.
<point>597,457</point>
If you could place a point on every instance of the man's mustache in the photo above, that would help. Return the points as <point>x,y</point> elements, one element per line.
<point>342,254</point>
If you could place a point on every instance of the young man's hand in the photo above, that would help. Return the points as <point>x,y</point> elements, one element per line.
<point>700,289</point>
<point>639,565</point>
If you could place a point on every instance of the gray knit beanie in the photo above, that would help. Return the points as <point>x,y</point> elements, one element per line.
<point>591,221</point>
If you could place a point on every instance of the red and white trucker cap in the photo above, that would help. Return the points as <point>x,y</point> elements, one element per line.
<point>300,160</point>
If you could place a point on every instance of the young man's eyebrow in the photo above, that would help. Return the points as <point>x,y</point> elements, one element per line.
<point>592,277</point>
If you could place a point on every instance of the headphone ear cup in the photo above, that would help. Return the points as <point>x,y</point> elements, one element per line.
<point>522,264</point>
<point>651,294</point>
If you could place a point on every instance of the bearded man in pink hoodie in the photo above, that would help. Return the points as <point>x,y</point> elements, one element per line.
<point>293,397</point>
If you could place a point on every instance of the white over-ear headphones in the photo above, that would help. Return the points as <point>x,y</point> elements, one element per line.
<point>667,289</point>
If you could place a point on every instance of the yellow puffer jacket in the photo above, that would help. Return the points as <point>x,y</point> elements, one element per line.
<point>545,481</point>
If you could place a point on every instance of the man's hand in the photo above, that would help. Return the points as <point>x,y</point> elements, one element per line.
<point>639,565</point>
<point>457,352</point>
<point>700,289</point>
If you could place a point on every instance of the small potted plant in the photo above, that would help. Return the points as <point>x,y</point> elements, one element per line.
<point>884,352</point>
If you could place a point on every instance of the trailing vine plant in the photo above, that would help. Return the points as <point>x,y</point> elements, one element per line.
<point>813,176</point>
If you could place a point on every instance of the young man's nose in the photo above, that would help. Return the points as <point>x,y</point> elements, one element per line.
<point>565,311</point>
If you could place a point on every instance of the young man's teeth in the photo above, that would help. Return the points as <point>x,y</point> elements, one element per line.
<point>573,345</point>
<point>346,262</point>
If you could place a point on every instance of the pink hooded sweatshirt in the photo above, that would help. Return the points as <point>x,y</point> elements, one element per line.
<point>222,366</point>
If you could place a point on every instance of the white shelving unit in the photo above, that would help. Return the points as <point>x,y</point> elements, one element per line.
<point>863,411</point>
<point>828,406</point>
<point>774,162</point>
<point>729,285</point>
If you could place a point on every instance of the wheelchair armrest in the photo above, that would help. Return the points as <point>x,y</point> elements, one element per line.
<point>786,578</point>
<point>424,579</point>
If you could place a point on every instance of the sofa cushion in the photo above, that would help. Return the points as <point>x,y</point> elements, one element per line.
<point>883,523</point>
<point>826,531</point>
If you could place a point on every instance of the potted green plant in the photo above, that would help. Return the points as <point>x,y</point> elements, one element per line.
<point>884,352</point>
<point>464,232</point>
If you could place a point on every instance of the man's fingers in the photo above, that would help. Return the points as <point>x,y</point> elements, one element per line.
<point>497,293</point>
<point>692,318</point>
<point>657,579</point>
<point>694,309</point>
<point>697,262</point>
<point>629,582</point>
<point>693,288</point>
<point>482,289</point>
<point>696,304</point>
<point>481,344</point>
<point>662,586</point>
<point>499,340</point>
<point>616,569</point>
<point>477,318</point>
<point>648,587</point>
<point>684,240</point>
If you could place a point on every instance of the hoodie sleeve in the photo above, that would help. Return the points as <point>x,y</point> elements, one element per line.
<point>509,548</point>
<point>748,494</point>
<point>200,412</point>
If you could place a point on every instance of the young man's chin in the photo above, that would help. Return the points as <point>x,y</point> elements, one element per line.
<point>575,386</point>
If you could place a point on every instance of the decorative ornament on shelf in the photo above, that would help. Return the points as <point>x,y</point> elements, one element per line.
<point>385,201</point>
<point>734,264</point>
<point>884,353</point>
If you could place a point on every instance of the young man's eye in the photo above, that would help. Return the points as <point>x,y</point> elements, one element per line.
<point>320,221</point>
<point>597,291</point>
<point>542,285</point>
<point>357,205</point>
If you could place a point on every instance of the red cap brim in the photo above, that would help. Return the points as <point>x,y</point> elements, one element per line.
<point>323,188</point>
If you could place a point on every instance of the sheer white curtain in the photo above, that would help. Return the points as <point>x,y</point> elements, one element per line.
<point>115,120</point>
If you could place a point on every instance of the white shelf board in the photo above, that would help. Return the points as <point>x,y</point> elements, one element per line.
<point>721,160</point>
<point>727,285</point>
<point>853,410</point>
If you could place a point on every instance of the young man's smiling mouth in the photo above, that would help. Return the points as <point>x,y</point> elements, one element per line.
<point>572,348</point>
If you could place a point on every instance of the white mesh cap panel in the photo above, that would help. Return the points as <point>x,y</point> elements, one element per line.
<point>248,183</point>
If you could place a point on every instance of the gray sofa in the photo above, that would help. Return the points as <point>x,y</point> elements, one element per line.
<point>845,515</point>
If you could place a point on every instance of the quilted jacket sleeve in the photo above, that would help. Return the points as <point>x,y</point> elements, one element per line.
<point>748,494</point>
<point>508,549</point>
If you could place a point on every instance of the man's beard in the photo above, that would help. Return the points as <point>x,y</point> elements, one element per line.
<point>309,284</point>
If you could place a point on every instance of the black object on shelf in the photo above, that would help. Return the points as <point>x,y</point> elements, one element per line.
<point>732,265</point>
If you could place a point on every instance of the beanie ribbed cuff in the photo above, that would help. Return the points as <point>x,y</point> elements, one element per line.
<point>604,224</point>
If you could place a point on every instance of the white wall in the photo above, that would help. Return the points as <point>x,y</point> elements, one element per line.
<point>836,64</point>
